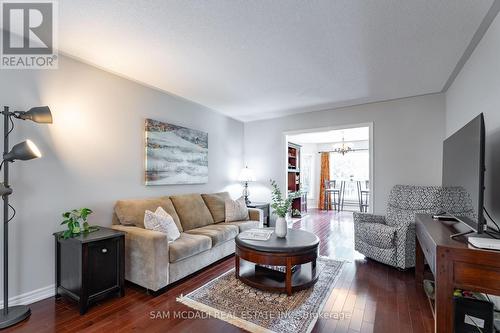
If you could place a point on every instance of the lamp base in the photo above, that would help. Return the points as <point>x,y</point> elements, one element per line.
<point>246,193</point>
<point>14,315</point>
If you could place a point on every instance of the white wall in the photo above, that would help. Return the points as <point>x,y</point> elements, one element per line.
<point>477,89</point>
<point>93,154</point>
<point>408,135</point>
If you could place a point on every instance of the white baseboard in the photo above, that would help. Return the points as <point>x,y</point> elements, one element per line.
<point>31,296</point>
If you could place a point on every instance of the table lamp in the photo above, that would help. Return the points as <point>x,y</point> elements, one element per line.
<point>246,175</point>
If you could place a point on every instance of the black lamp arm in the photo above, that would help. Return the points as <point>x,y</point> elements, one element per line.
<point>10,113</point>
<point>15,114</point>
<point>39,114</point>
<point>18,114</point>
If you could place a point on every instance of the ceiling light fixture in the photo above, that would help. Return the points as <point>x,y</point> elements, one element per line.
<point>343,149</point>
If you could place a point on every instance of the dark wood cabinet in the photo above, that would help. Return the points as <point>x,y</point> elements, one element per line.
<point>454,264</point>
<point>264,206</point>
<point>90,267</point>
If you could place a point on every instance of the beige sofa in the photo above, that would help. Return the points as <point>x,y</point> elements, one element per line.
<point>152,262</point>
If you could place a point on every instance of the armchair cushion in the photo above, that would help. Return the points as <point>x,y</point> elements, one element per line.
<point>457,201</point>
<point>401,218</point>
<point>378,235</point>
<point>409,197</point>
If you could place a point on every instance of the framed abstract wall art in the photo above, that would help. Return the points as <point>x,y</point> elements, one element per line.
<point>175,154</point>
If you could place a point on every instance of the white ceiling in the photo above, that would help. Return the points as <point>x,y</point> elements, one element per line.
<point>348,134</point>
<point>256,59</point>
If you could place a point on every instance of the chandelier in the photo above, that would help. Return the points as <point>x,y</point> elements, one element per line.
<point>343,149</point>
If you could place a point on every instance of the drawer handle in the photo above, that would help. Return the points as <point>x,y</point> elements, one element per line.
<point>104,250</point>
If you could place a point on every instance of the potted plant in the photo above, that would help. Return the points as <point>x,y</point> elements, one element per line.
<point>281,206</point>
<point>76,221</point>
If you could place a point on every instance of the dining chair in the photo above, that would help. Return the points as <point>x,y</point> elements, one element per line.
<point>332,190</point>
<point>363,195</point>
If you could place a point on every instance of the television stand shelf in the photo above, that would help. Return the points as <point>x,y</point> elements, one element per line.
<point>454,265</point>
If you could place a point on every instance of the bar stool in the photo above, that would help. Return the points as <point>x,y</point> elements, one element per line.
<point>331,189</point>
<point>363,196</point>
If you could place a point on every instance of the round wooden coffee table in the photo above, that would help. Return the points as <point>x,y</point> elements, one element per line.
<point>293,253</point>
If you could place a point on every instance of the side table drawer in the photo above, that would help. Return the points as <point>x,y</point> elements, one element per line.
<point>103,265</point>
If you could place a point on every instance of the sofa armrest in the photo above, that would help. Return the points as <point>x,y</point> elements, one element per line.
<point>146,257</point>
<point>255,214</point>
<point>368,218</point>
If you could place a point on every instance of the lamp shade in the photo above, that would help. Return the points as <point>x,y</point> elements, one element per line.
<point>25,150</point>
<point>247,175</point>
<point>39,114</point>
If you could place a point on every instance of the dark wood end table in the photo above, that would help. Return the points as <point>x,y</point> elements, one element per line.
<point>264,206</point>
<point>90,267</point>
<point>298,248</point>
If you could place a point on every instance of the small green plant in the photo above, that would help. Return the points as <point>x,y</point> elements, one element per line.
<point>279,204</point>
<point>76,220</point>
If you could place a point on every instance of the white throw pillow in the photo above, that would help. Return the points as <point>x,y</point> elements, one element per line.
<point>161,221</point>
<point>236,210</point>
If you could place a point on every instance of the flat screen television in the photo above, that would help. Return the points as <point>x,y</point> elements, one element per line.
<point>464,168</point>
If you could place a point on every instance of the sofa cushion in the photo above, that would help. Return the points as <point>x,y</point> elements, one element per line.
<point>236,210</point>
<point>219,233</point>
<point>216,204</point>
<point>170,209</point>
<point>161,221</point>
<point>188,245</point>
<point>378,235</point>
<point>243,225</point>
<point>192,211</point>
<point>131,212</point>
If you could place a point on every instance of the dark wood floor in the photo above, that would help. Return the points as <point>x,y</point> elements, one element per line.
<point>374,297</point>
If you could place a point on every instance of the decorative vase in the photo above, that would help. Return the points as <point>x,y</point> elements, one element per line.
<point>281,227</point>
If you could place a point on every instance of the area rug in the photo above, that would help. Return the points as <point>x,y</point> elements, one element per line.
<point>231,300</point>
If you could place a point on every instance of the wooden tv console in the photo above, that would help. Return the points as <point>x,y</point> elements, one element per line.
<point>454,265</point>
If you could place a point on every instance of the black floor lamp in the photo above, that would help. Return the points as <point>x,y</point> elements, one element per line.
<point>25,150</point>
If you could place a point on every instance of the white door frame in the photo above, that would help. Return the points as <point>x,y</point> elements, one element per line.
<point>332,128</point>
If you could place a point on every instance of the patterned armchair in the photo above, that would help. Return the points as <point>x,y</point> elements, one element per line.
<point>390,239</point>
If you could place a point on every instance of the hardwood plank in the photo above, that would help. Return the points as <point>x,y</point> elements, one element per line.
<point>372,296</point>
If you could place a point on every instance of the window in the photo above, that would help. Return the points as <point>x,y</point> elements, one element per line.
<point>351,167</point>
<point>306,173</point>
